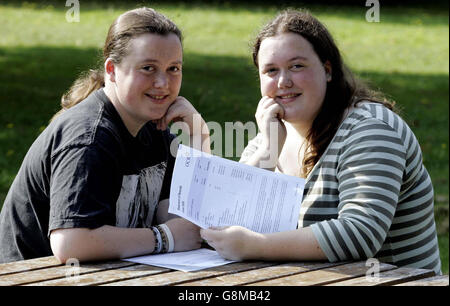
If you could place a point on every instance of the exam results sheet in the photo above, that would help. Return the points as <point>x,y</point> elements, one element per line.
<point>212,191</point>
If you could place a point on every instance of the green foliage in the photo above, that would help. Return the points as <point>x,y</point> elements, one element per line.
<point>405,55</point>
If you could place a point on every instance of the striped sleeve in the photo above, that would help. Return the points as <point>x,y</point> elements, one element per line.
<point>369,173</point>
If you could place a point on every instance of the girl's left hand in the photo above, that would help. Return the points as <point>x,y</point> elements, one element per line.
<point>181,110</point>
<point>232,242</point>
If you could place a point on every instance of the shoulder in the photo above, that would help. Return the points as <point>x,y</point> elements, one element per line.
<point>376,119</point>
<point>85,124</point>
<point>377,112</point>
<point>371,128</point>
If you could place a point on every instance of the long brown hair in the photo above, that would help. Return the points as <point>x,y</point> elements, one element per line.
<point>127,26</point>
<point>343,90</point>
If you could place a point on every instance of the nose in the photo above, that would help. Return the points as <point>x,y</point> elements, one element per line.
<point>161,80</point>
<point>284,81</point>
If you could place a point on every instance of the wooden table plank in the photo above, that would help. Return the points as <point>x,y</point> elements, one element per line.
<point>28,265</point>
<point>61,271</point>
<point>439,280</point>
<point>323,276</point>
<point>262,274</point>
<point>177,277</point>
<point>48,271</point>
<point>390,277</point>
<point>104,277</point>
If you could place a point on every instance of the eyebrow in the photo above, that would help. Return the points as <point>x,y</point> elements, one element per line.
<point>150,60</point>
<point>298,58</point>
<point>290,60</point>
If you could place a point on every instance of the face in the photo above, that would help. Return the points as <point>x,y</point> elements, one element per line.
<point>148,80</point>
<point>291,73</point>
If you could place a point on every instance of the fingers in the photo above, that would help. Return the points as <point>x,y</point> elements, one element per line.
<point>269,107</point>
<point>207,234</point>
<point>218,228</point>
<point>173,112</point>
<point>265,102</point>
<point>161,124</point>
<point>180,110</point>
<point>275,111</point>
<point>170,115</point>
<point>227,241</point>
<point>212,235</point>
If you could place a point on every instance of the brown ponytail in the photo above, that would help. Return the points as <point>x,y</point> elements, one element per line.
<point>126,27</point>
<point>81,89</point>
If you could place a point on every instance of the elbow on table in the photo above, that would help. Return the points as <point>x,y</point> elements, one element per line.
<point>374,243</point>
<point>67,244</point>
<point>367,245</point>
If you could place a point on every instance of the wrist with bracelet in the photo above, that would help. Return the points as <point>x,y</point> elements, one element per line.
<point>164,242</point>
<point>158,240</point>
<point>168,237</point>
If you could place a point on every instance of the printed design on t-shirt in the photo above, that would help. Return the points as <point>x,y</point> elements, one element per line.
<point>139,197</point>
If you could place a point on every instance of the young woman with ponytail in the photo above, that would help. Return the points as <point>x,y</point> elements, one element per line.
<point>95,184</point>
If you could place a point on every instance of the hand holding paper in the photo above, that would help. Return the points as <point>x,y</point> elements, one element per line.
<point>232,242</point>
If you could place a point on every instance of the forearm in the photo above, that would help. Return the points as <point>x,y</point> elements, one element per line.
<point>299,244</point>
<point>199,137</point>
<point>106,242</point>
<point>262,158</point>
<point>162,213</point>
<point>201,143</point>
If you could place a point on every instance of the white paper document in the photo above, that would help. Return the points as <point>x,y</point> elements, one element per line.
<point>185,261</point>
<point>212,191</point>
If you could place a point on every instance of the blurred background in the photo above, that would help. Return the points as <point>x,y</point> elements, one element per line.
<point>405,55</point>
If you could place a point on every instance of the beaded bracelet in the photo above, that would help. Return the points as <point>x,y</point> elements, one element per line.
<point>168,233</point>
<point>158,240</point>
<point>164,238</point>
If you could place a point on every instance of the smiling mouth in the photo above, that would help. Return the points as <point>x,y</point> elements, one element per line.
<point>289,96</point>
<point>157,97</point>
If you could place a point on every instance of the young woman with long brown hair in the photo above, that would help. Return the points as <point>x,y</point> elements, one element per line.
<point>367,193</point>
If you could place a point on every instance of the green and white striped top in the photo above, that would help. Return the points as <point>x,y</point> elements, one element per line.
<point>369,195</point>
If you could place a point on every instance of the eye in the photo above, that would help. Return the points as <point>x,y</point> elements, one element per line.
<point>148,68</point>
<point>297,67</point>
<point>175,69</point>
<point>270,71</point>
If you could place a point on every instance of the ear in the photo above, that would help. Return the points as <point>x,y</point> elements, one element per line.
<point>110,69</point>
<point>328,70</point>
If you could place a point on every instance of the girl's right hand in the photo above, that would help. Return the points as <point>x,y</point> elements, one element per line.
<point>268,117</point>
<point>186,235</point>
<point>182,110</point>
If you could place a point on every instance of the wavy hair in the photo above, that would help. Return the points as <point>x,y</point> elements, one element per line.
<point>342,91</point>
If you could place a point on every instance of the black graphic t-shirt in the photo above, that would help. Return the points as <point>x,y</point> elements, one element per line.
<point>85,170</point>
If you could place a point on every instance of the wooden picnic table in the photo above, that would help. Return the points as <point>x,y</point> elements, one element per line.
<point>47,271</point>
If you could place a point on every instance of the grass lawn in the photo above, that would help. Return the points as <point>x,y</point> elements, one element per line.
<point>406,55</point>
